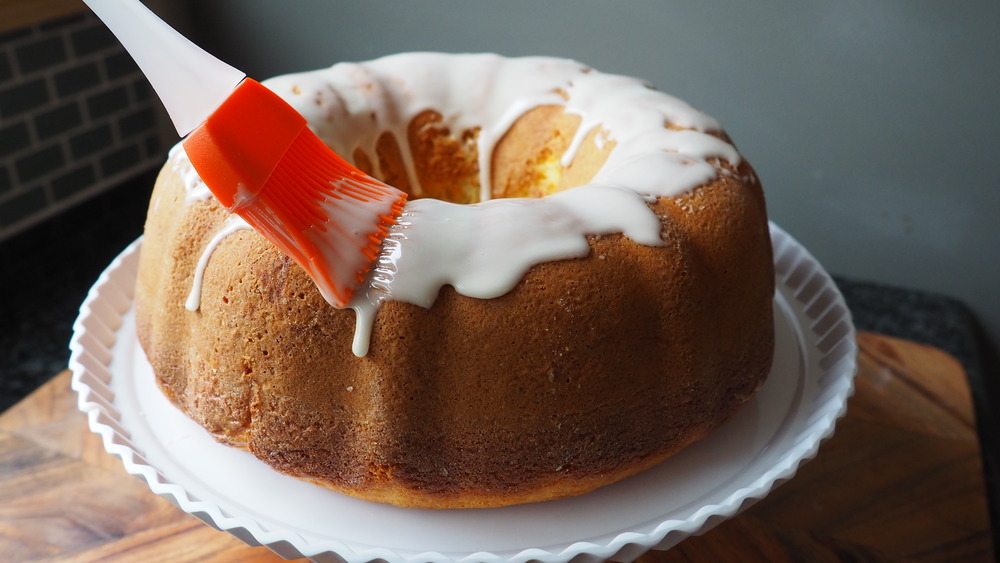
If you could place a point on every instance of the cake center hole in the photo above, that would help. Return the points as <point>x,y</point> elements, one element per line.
<point>526,161</point>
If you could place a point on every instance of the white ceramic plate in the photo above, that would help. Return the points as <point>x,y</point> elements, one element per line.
<point>712,480</point>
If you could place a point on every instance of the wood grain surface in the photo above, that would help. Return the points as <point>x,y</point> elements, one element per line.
<point>900,480</point>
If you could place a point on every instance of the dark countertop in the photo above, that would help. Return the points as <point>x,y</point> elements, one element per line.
<point>50,268</point>
<point>48,271</point>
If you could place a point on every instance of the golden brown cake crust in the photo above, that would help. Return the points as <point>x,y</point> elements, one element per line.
<point>588,371</point>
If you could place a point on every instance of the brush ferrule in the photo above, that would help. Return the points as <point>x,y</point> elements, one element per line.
<point>239,146</point>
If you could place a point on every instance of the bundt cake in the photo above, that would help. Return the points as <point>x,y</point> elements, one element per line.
<point>580,285</point>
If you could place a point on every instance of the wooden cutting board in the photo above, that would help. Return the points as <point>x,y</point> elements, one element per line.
<point>900,480</point>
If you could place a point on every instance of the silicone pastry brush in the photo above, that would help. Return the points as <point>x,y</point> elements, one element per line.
<point>258,156</point>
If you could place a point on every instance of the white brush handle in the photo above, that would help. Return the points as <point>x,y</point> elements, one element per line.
<point>191,82</point>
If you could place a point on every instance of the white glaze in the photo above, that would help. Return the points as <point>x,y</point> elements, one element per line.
<point>484,249</point>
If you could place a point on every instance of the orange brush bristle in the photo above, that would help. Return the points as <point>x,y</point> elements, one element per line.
<point>327,215</point>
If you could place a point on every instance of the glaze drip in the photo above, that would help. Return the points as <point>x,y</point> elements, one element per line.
<point>233,223</point>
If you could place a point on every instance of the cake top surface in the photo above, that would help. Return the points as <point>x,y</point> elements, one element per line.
<point>349,105</point>
<point>662,148</point>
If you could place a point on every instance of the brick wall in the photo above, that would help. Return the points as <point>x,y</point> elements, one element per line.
<point>76,118</point>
